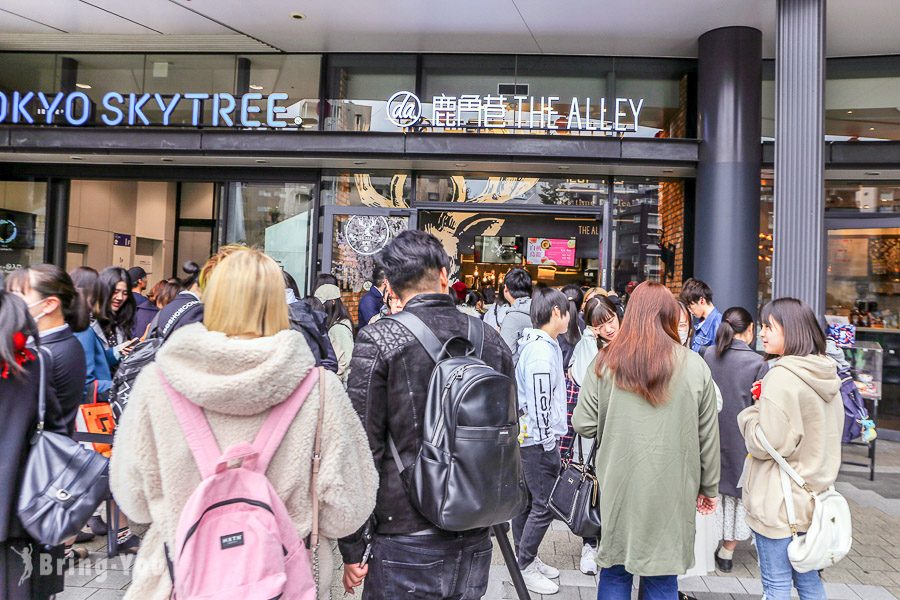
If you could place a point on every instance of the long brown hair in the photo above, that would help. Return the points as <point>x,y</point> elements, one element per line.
<point>641,356</point>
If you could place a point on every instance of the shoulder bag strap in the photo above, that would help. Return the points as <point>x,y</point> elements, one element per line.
<point>317,462</point>
<point>197,432</point>
<point>279,420</point>
<point>42,392</point>
<point>787,473</point>
<point>176,316</point>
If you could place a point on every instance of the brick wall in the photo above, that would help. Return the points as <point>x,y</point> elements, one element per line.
<point>671,199</point>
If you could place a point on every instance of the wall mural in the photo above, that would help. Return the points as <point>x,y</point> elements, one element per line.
<point>370,196</point>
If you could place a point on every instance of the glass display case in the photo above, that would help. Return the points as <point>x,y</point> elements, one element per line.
<point>866,360</point>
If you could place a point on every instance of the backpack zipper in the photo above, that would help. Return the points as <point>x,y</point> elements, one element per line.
<point>194,527</point>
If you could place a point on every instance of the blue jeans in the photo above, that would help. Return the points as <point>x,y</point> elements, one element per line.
<point>615,584</point>
<point>777,573</point>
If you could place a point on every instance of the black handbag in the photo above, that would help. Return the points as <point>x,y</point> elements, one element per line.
<point>63,484</point>
<point>575,497</point>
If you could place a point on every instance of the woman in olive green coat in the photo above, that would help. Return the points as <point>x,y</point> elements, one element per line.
<point>653,411</point>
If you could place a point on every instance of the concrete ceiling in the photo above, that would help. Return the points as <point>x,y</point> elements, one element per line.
<point>592,27</point>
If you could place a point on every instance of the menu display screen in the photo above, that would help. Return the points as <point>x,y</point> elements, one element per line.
<point>551,252</point>
<point>504,250</point>
<point>17,230</point>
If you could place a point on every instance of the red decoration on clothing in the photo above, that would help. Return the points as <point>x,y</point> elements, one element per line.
<point>23,355</point>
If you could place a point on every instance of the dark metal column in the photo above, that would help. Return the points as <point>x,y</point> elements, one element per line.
<point>726,222</point>
<point>799,236</point>
<point>57,221</point>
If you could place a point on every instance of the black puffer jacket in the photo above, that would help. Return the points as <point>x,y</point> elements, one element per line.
<point>388,384</point>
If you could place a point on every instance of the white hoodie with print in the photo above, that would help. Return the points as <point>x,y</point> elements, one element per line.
<point>541,389</point>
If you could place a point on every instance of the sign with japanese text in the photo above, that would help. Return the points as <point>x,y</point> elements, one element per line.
<point>551,252</point>
<point>405,109</point>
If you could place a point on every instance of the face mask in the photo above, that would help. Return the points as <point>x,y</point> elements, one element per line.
<point>290,296</point>
<point>40,315</point>
<point>683,336</point>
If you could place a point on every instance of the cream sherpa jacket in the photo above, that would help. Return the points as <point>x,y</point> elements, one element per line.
<point>236,381</point>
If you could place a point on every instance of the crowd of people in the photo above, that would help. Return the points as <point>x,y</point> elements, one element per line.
<point>669,389</point>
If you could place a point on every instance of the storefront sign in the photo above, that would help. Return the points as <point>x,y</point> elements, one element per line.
<point>405,109</point>
<point>76,108</point>
<point>17,230</point>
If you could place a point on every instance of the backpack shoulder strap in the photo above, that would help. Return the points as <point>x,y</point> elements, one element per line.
<point>420,330</point>
<point>476,335</point>
<point>176,317</point>
<point>280,419</point>
<point>197,433</point>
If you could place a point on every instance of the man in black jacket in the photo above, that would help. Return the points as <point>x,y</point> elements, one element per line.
<point>388,385</point>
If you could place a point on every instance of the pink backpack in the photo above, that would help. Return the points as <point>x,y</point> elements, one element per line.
<point>235,539</point>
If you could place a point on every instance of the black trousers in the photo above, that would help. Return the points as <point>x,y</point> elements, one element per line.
<point>429,567</point>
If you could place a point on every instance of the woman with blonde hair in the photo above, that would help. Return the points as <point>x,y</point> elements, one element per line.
<point>242,361</point>
<point>651,405</point>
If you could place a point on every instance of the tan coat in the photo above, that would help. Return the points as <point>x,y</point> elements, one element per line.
<point>802,415</point>
<point>236,381</point>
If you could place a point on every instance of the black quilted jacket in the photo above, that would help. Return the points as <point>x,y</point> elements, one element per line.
<point>389,376</point>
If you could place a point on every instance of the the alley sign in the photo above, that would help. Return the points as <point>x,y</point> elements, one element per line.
<point>405,109</point>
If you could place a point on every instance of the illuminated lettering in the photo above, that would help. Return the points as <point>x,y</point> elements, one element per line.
<point>196,106</point>
<point>107,103</point>
<point>50,107</point>
<point>135,109</point>
<point>247,109</point>
<point>85,108</point>
<point>19,111</point>
<point>167,108</point>
<point>272,109</point>
<point>223,112</point>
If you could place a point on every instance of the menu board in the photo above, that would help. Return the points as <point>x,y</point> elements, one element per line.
<point>17,230</point>
<point>551,252</point>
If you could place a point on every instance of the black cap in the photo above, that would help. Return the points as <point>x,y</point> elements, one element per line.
<point>136,274</point>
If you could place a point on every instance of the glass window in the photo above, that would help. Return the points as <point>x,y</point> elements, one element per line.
<point>861,98</point>
<point>664,88</point>
<point>23,223</point>
<point>510,189</point>
<point>366,189</point>
<point>648,233</point>
<point>768,100</point>
<point>275,217</point>
<point>32,72</point>
<point>294,75</point>
<point>766,231</point>
<point>168,74</point>
<point>359,87</point>
<point>864,197</point>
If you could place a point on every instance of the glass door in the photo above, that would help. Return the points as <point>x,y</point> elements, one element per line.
<point>352,237</point>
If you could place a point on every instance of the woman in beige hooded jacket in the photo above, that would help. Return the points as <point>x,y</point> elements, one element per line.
<point>239,363</point>
<point>801,414</point>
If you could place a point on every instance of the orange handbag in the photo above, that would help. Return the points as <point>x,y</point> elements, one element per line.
<point>98,418</point>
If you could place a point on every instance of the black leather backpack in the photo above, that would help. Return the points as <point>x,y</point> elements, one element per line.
<point>468,473</point>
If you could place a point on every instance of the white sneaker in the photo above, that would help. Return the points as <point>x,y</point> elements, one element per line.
<point>537,583</point>
<point>546,570</point>
<point>588,560</point>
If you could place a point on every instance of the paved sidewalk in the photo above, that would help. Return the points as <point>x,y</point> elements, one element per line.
<point>871,572</point>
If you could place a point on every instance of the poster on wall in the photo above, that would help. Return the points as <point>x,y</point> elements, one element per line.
<point>848,256</point>
<point>121,254</point>
<point>17,230</point>
<point>551,252</point>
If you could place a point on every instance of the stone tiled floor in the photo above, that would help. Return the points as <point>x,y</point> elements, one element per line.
<point>871,572</point>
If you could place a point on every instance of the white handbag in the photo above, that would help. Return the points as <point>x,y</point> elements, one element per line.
<point>830,533</point>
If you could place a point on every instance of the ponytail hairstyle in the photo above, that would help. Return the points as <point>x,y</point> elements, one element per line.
<point>735,320</point>
<point>193,274</point>
<point>50,281</point>
<point>575,297</point>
